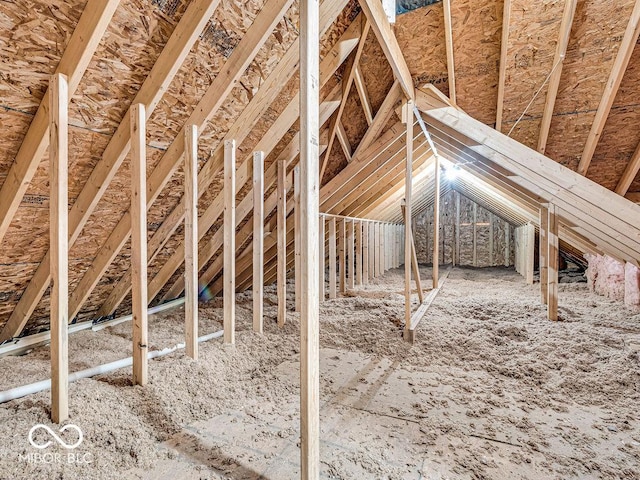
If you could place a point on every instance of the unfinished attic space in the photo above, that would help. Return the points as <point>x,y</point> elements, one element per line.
<point>335,239</point>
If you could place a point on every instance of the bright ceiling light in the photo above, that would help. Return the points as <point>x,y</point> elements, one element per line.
<point>451,172</point>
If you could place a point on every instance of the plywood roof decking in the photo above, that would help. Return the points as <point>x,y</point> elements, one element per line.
<point>35,33</point>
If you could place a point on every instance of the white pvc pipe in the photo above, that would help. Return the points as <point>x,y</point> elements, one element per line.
<point>36,387</point>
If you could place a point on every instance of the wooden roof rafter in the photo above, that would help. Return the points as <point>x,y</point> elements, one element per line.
<point>82,45</point>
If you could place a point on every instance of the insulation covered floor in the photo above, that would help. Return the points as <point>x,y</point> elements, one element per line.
<point>490,389</point>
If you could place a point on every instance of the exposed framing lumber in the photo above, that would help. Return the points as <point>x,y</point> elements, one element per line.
<point>244,123</point>
<point>296,238</point>
<point>58,234</point>
<point>342,261</point>
<point>387,39</point>
<point>507,245</point>
<point>258,241</point>
<point>414,257</point>
<point>543,246</point>
<point>502,75</point>
<point>282,241</point>
<point>552,269</point>
<point>556,74</point>
<point>309,205</point>
<point>448,36</point>
<point>229,301</point>
<point>321,258</point>
<point>435,271</point>
<point>530,242</point>
<point>475,234</point>
<point>456,253</point>
<point>333,290</point>
<point>191,241</point>
<point>74,62</point>
<point>139,243</point>
<point>358,255</point>
<point>365,253</point>
<point>337,129</point>
<point>630,173</point>
<point>372,251</point>
<point>351,264</point>
<point>363,93</point>
<point>408,180</point>
<point>168,63</point>
<point>423,308</point>
<point>215,95</point>
<point>623,57</point>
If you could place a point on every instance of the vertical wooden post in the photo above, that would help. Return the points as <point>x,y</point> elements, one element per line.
<point>258,241</point>
<point>530,252</point>
<point>436,224</point>
<point>365,253</point>
<point>139,243</point>
<point>341,254</point>
<point>321,257</point>
<point>191,241</point>
<point>282,242</point>
<point>372,250</point>
<point>507,244</point>
<point>229,274</point>
<point>457,227</point>
<point>351,277</point>
<point>296,235</point>
<point>358,256</point>
<point>332,259</point>
<point>491,249</point>
<point>380,249</point>
<point>408,179</point>
<point>543,245</point>
<point>552,269</point>
<point>59,238</point>
<point>309,202</point>
<point>475,235</point>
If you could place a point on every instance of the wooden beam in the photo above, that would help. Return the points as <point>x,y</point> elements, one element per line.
<point>530,242</point>
<point>543,245</point>
<point>387,39</point>
<point>436,224</point>
<point>191,241</point>
<point>552,269</point>
<point>229,301</point>
<point>344,141</point>
<point>630,173</point>
<point>414,257</point>
<point>155,85</point>
<point>333,291</point>
<point>296,235</point>
<point>365,253</point>
<point>342,269</point>
<point>363,93</point>
<point>321,258</point>
<point>623,57</point>
<point>139,243</point>
<point>309,204</point>
<point>358,255</point>
<point>507,245</point>
<point>408,180</point>
<point>502,75</point>
<point>556,73</point>
<point>457,233</point>
<point>351,277</point>
<point>422,309</point>
<point>82,45</point>
<point>282,241</point>
<point>58,236</point>
<point>448,37</point>
<point>258,241</point>
<point>475,234</point>
<point>372,251</point>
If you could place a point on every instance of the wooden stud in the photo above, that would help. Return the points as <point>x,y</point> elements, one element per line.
<point>475,234</point>
<point>507,245</point>
<point>530,252</point>
<point>408,180</point>
<point>358,255</point>
<point>436,223</point>
<point>333,293</point>
<point>556,74</point>
<point>611,88</point>
<point>191,241</point>
<point>229,300</point>
<point>139,243</point>
<point>552,270</point>
<point>258,241</point>
<point>491,249</point>
<point>414,258</point>
<point>296,236</point>
<point>372,251</point>
<point>448,36</point>
<point>457,227</point>
<point>282,241</point>
<point>364,259</point>
<point>502,75</point>
<point>321,257</point>
<point>351,264</point>
<point>59,237</point>
<point>363,93</point>
<point>309,203</point>
<point>630,173</point>
<point>341,256</point>
<point>543,245</point>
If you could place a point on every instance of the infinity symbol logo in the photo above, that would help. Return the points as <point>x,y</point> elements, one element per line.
<point>55,436</point>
